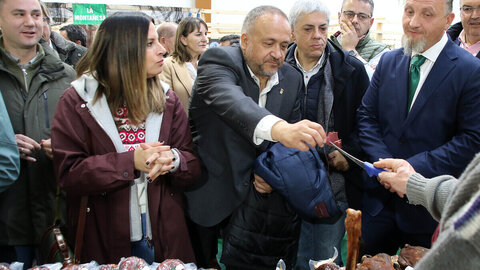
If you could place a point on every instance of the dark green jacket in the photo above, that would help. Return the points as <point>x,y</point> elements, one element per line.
<point>27,207</point>
<point>367,47</point>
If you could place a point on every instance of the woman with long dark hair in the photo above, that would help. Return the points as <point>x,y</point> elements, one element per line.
<point>180,70</point>
<point>121,137</point>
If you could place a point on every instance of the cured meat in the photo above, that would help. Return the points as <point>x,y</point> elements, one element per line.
<point>380,261</point>
<point>328,266</point>
<point>353,225</point>
<point>332,138</point>
<point>410,255</point>
<point>171,264</point>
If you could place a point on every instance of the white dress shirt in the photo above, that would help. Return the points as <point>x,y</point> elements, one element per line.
<point>263,130</point>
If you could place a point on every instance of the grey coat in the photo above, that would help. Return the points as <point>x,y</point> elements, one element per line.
<point>27,207</point>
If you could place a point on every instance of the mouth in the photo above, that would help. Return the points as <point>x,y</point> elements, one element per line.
<point>317,46</point>
<point>160,62</point>
<point>29,33</point>
<point>474,23</point>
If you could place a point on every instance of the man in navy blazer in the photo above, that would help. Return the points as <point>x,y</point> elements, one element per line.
<point>243,98</point>
<point>438,134</point>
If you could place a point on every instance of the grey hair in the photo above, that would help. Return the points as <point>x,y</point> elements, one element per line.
<point>370,2</point>
<point>306,7</point>
<point>257,12</point>
<point>448,6</point>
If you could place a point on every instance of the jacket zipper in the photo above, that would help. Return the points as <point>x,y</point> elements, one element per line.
<point>25,79</point>
<point>45,106</point>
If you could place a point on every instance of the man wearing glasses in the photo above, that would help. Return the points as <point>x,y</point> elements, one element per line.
<point>355,20</point>
<point>466,33</point>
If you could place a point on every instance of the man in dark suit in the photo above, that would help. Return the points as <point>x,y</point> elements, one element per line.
<point>466,33</point>
<point>425,113</point>
<point>243,98</point>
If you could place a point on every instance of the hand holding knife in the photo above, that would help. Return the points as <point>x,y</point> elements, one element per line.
<point>367,166</point>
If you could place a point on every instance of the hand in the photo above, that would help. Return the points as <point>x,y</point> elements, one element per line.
<point>47,147</point>
<point>159,163</point>
<point>261,186</point>
<point>350,37</point>
<point>299,134</point>
<point>338,161</point>
<point>144,156</point>
<point>396,178</point>
<point>26,147</point>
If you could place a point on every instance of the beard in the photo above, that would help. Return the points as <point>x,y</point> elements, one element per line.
<point>410,46</point>
<point>259,70</point>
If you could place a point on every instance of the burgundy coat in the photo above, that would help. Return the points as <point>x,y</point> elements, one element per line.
<point>98,171</point>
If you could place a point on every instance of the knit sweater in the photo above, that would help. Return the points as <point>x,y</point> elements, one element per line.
<point>457,204</point>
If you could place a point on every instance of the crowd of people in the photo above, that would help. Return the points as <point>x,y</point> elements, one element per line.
<point>154,135</point>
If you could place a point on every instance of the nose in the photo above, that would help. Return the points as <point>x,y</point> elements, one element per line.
<point>161,50</point>
<point>277,52</point>
<point>476,12</point>
<point>29,20</point>
<point>204,37</point>
<point>414,21</point>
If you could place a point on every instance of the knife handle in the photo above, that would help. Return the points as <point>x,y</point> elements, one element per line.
<point>372,170</point>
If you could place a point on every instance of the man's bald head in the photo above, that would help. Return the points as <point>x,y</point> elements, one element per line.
<point>166,35</point>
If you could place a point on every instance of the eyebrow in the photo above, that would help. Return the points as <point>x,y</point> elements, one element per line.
<point>311,25</point>
<point>24,10</point>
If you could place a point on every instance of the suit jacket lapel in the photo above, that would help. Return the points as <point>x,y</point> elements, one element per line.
<point>274,97</point>
<point>443,65</point>
<point>183,76</point>
<point>401,87</point>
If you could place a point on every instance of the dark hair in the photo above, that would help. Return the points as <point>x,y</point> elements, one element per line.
<point>121,70</point>
<point>76,32</point>
<point>185,27</point>
<point>370,2</point>
<point>231,38</point>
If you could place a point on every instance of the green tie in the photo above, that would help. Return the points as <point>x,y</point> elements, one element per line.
<point>417,61</point>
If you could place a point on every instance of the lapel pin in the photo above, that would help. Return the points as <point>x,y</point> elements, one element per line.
<point>281,91</point>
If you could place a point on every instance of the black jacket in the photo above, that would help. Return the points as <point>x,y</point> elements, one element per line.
<point>69,52</point>
<point>454,32</point>
<point>350,83</point>
<point>223,114</point>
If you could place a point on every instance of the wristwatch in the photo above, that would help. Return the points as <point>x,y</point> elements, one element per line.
<point>353,53</point>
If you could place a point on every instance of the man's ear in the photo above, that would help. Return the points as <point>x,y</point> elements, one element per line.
<point>244,41</point>
<point>293,36</point>
<point>449,20</point>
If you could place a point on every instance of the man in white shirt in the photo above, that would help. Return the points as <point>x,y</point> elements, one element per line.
<point>244,98</point>
<point>422,105</point>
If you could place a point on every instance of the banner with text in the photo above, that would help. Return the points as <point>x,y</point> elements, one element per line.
<point>89,13</point>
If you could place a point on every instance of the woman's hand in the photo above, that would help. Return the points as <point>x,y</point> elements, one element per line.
<point>147,153</point>
<point>160,162</point>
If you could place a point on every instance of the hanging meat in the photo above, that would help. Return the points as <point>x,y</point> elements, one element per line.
<point>353,225</point>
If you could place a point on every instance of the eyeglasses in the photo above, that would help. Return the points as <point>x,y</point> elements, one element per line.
<point>469,9</point>
<point>361,16</point>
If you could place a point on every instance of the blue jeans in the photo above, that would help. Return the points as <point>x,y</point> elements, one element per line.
<point>144,248</point>
<point>317,239</point>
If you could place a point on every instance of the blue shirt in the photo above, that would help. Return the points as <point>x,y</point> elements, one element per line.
<point>9,155</point>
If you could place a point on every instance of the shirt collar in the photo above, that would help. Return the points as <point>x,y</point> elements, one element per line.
<point>272,81</point>
<point>319,63</point>
<point>433,52</point>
